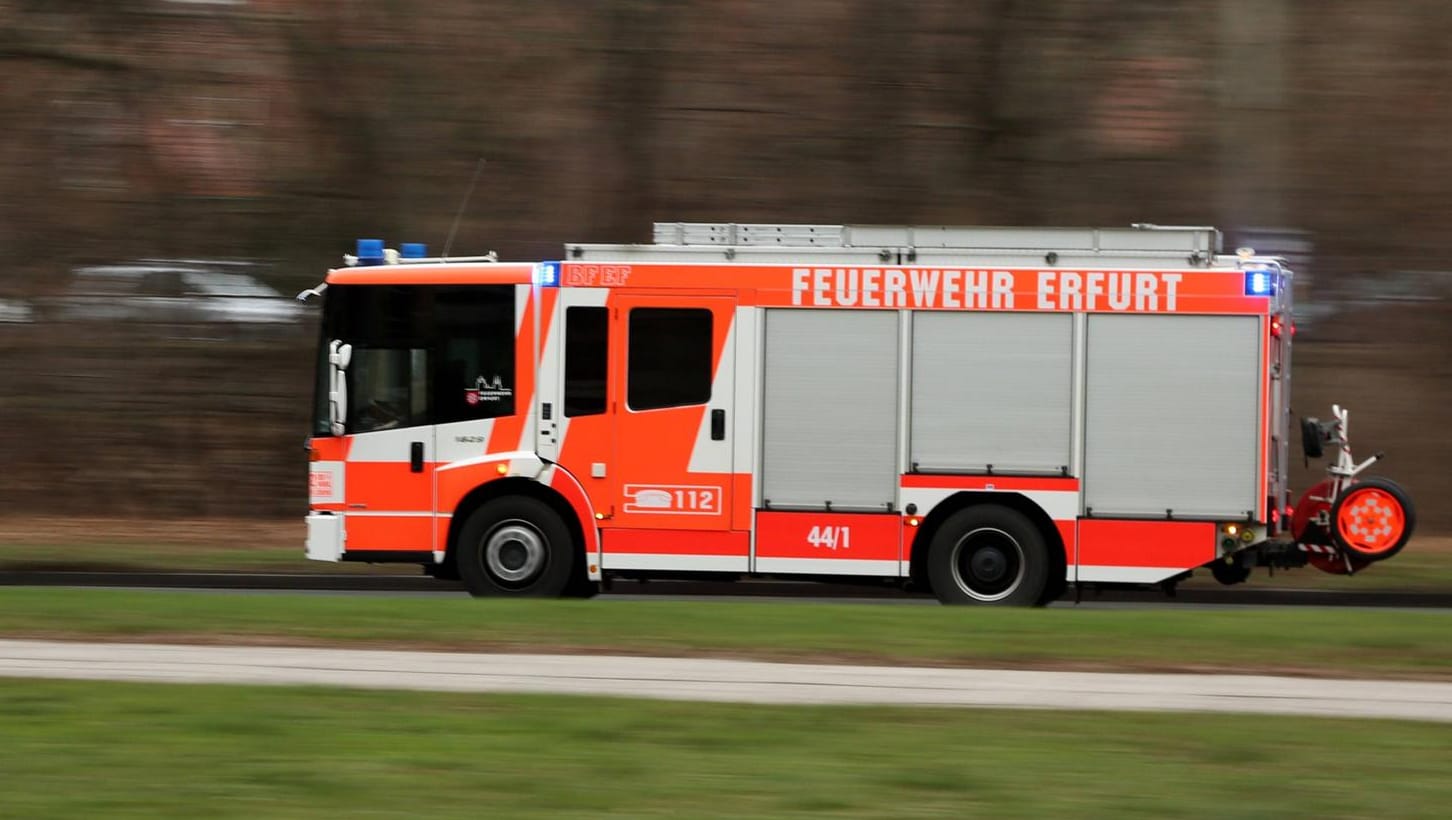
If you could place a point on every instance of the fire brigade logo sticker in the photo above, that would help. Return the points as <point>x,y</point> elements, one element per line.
<point>487,390</point>
<point>672,499</point>
<point>325,483</point>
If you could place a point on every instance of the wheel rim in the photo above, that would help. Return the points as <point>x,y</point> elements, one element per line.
<point>515,553</point>
<point>1371,520</point>
<point>988,564</point>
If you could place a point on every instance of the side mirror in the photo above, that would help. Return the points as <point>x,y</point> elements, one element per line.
<point>340,355</point>
<point>1315,435</point>
<point>313,291</point>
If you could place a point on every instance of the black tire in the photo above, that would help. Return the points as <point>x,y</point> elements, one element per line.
<point>581,586</point>
<point>515,546</point>
<point>447,571</point>
<point>1054,587</point>
<point>1389,494</point>
<point>1230,574</point>
<point>989,555</point>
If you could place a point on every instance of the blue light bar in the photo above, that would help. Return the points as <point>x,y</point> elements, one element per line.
<point>547,274</point>
<point>413,250</point>
<point>370,252</point>
<point>1260,282</point>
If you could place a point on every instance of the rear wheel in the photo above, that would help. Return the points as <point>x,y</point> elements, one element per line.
<point>515,546</point>
<point>1372,519</point>
<point>989,554</point>
<point>1231,573</point>
<point>1055,585</point>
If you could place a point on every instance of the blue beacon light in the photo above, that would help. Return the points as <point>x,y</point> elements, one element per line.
<point>370,252</point>
<point>1259,283</point>
<point>547,274</point>
<point>413,250</point>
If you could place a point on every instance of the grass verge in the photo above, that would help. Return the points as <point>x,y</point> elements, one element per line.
<point>221,545</point>
<point>77,749</point>
<point>171,557</point>
<point>1292,641</point>
<point>160,545</point>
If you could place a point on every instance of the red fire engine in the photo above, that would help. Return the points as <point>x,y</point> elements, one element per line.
<point>989,413</point>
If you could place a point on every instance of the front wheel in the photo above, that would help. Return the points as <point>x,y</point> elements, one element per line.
<point>515,546</point>
<point>989,555</point>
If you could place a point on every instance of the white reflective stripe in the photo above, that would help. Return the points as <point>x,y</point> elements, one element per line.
<point>829,566</point>
<point>390,514</point>
<point>708,456</point>
<point>390,446</point>
<point>521,303</point>
<point>743,419</point>
<point>698,563</point>
<point>1060,505</point>
<point>552,362</point>
<point>526,404</point>
<point>1126,575</point>
<point>461,440</point>
<point>520,463</point>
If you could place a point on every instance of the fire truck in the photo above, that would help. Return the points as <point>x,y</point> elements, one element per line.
<point>993,414</point>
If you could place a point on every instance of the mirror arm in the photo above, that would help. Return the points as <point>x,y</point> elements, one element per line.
<point>340,355</point>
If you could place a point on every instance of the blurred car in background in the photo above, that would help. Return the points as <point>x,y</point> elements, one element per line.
<point>15,311</point>
<point>176,292</point>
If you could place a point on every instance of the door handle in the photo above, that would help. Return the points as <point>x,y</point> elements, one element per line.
<point>415,457</point>
<point>718,425</point>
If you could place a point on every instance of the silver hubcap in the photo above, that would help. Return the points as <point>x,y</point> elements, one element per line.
<point>988,564</point>
<point>514,552</point>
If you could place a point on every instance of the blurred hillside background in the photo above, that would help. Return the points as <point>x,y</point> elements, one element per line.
<point>275,133</point>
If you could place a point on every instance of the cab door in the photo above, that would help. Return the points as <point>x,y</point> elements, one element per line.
<point>390,462</point>
<point>672,414</point>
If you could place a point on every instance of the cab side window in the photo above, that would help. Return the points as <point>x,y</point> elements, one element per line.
<point>586,360</point>
<point>476,355</point>
<point>388,379</point>
<point>670,358</point>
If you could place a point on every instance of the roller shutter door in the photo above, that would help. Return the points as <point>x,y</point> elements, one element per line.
<point>830,409</point>
<point>1172,406</point>
<point>992,389</point>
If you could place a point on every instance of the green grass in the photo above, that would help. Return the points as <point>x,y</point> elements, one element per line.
<point>87,750</point>
<point>123,556</point>
<point>1309,640</point>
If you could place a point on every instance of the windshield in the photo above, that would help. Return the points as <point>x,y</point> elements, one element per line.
<point>422,354</point>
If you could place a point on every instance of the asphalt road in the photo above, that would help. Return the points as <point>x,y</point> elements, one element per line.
<point>777,590</point>
<point>725,680</point>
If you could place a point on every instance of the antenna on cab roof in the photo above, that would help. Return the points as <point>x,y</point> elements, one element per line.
<point>449,243</point>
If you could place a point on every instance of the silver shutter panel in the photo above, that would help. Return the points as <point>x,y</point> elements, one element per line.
<point>830,407</point>
<point>1172,406</point>
<point>992,389</point>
